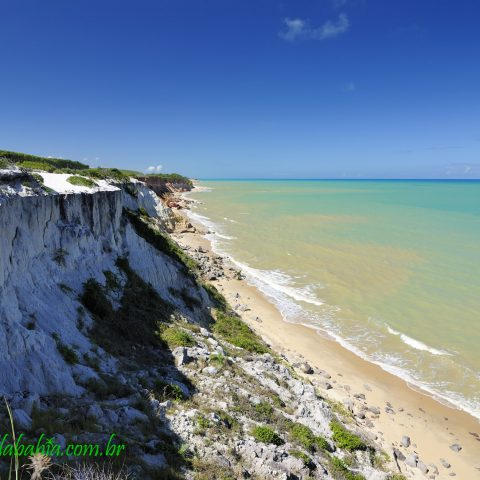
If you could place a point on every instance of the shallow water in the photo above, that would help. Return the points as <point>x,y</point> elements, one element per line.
<point>391,269</point>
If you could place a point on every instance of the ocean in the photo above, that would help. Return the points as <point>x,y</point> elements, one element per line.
<point>389,269</point>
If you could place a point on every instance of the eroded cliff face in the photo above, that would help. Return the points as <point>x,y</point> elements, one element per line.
<point>49,246</point>
<point>195,402</point>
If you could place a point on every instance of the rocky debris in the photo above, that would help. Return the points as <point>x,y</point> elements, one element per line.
<point>406,441</point>
<point>22,419</point>
<point>455,447</point>
<point>181,356</point>
<point>445,463</point>
<point>397,454</point>
<point>306,368</point>
<point>374,410</point>
<point>359,396</point>
<point>411,460</point>
<point>422,467</point>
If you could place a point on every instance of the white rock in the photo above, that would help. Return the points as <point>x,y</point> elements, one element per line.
<point>22,420</point>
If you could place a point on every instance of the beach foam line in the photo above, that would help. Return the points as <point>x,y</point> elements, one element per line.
<point>262,280</point>
<point>416,344</point>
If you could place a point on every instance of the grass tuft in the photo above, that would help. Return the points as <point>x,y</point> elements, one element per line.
<point>345,439</point>
<point>232,329</point>
<point>81,181</point>
<point>266,434</point>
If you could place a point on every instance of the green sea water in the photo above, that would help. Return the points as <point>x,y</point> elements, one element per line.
<point>390,269</point>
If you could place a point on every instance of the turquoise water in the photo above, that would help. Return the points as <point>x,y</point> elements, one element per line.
<point>390,269</point>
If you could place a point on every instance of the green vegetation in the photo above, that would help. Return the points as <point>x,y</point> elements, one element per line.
<point>218,359</point>
<point>176,337</point>
<point>169,177</point>
<point>167,391</point>
<point>397,476</point>
<point>68,354</point>
<point>22,158</point>
<point>208,470</point>
<point>340,471</point>
<point>112,282</point>
<point>81,181</point>
<point>266,434</point>
<point>65,288</point>
<point>302,435</point>
<point>59,256</point>
<point>302,456</point>
<point>4,163</point>
<point>345,439</point>
<point>141,315</point>
<point>216,297</point>
<point>161,241</point>
<point>232,329</point>
<point>190,301</point>
<point>108,385</point>
<point>264,409</point>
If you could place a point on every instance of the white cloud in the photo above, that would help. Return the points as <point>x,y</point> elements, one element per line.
<point>297,29</point>
<point>155,169</point>
<point>463,169</point>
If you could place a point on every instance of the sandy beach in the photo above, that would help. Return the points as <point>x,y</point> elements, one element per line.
<point>443,437</point>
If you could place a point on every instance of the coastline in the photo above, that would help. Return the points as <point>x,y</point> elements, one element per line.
<point>342,376</point>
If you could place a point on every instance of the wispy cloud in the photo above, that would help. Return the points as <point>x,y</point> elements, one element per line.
<point>299,29</point>
<point>155,169</point>
<point>462,170</point>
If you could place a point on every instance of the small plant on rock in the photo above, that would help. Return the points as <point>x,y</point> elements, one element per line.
<point>345,439</point>
<point>267,435</point>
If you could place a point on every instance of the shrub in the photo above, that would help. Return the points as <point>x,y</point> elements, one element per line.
<point>108,385</point>
<point>220,360</point>
<point>59,256</point>
<point>346,439</point>
<point>33,165</point>
<point>216,297</point>
<point>167,391</point>
<point>341,471</point>
<point>161,241</point>
<point>303,435</point>
<point>4,163</point>
<point>81,181</point>
<point>235,331</point>
<point>302,456</point>
<point>265,434</point>
<point>68,354</point>
<point>264,409</point>
<point>22,158</point>
<point>141,314</point>
<point>176,337</point>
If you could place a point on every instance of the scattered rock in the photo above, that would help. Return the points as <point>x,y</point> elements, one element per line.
<point>23,421</point>
<point>181,356</point>
<point>210,370</point>
<point>422,467</point>
<point>411,460</point>
<point>445,463</point>
<point>398,454</point>
<point>359,396</point>
<point>455,447</point>
<point>306,368</point>
<point>406,441</point>
<point>374,410</point>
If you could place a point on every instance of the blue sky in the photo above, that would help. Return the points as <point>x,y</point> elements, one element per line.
<point>246,88</point>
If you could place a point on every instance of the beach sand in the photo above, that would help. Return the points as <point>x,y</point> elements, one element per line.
<point>431,426</point>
